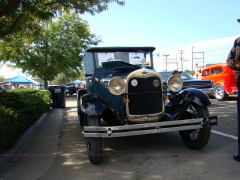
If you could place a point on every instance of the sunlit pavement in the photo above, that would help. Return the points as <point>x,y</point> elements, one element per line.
<point>58,151</point>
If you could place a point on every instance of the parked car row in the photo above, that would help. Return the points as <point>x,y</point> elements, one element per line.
<point>217,81</point>
<point>72,88</point>
<point>224,79</point>
<point>189,82</point>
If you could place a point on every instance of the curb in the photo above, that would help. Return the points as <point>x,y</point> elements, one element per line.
<point>7,157</point>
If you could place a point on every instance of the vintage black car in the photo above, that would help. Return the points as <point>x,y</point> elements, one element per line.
<point>124,97</point>
<point>71,90</point>
<point>190,82</point>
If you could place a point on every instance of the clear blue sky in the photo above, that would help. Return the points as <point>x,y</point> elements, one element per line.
<point>170,25</point>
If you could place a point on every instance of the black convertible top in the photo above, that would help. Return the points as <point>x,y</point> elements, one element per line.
<point>120,49</point>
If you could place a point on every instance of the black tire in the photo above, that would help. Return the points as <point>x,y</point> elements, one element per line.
<point>79,113</point>
<point>198,138</point>
<point>94,145</point>
<point>78,107</point>
<point>220,94</point>
<point>81,117</point>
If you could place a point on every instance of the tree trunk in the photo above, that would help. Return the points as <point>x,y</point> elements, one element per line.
<point>45,84</point>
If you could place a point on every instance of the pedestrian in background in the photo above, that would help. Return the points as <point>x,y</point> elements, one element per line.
<point>177,73</point>
<point>233,61</point>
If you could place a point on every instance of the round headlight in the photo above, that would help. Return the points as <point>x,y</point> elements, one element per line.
<point>116,86</point>
<point>174,83</point>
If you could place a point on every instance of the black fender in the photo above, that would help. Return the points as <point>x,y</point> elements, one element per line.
<point>180,101</point>
<point>200,97</point>
<point>92,105</point>
<point>80,92</point>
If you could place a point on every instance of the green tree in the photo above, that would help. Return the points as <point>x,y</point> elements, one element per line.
<point>61,78</point>
<point>68,76</point>
<point>190,72</point>
<point>23,16</point>
<point>55,49</point>
<point>2,79</point>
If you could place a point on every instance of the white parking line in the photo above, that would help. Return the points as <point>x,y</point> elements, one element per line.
<point>223,134</point>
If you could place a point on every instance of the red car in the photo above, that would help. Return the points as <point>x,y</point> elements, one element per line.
<point>224,79</point>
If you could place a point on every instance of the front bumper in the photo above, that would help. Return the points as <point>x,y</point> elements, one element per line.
<point>208,91</point>
<point>148,128</point>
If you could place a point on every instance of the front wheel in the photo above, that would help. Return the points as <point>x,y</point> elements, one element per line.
<point>81,117</point>
<point>196,138</point>
<point>220,94</point>
<point>94,145</point>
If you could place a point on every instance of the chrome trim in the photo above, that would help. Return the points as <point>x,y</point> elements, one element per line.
<point>148,128</point>
<point>104,80</point>
<point>208,90</point>
<point>144,73</point>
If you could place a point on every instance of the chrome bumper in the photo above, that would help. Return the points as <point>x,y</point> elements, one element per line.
<point>208,91</point>
<point>148,128</point>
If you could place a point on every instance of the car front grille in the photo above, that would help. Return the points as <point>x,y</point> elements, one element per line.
<point>146,97</point>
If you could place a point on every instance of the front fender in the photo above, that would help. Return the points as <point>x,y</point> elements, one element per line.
<point>92,105</point>
<point>182,99</point>
<point>200,98</point>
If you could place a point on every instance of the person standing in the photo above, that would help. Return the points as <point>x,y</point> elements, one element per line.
<point>177,73</point>
<point>233,61</point>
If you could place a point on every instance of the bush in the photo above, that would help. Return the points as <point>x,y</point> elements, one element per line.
<point>19,109</point>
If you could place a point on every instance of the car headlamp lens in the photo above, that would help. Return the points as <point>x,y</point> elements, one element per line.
<point>175,83</point>
<point>116,86</point>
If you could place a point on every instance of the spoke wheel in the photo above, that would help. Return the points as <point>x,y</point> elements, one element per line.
<point>196,138</point>
<point>220,93</point>
<point>94,145</point>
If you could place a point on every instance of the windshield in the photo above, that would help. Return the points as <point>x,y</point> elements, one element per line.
<point>184,75</point>
<point>133,58</point>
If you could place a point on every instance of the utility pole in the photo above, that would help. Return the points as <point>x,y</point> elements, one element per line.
<point>181,52</point>
<point>176,61</point>
<point>192,59</point>
<point>166,55</point>
<point>197,58</point>
<point>203,60</point>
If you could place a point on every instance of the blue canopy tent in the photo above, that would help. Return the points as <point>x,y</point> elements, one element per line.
<point>78,82</point>
<point>19,80</point>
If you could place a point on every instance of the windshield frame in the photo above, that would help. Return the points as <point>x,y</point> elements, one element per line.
<point>132,58</point>
<point>147,52</point>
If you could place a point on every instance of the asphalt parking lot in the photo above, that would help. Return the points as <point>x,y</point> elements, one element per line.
<point>57,150</point>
